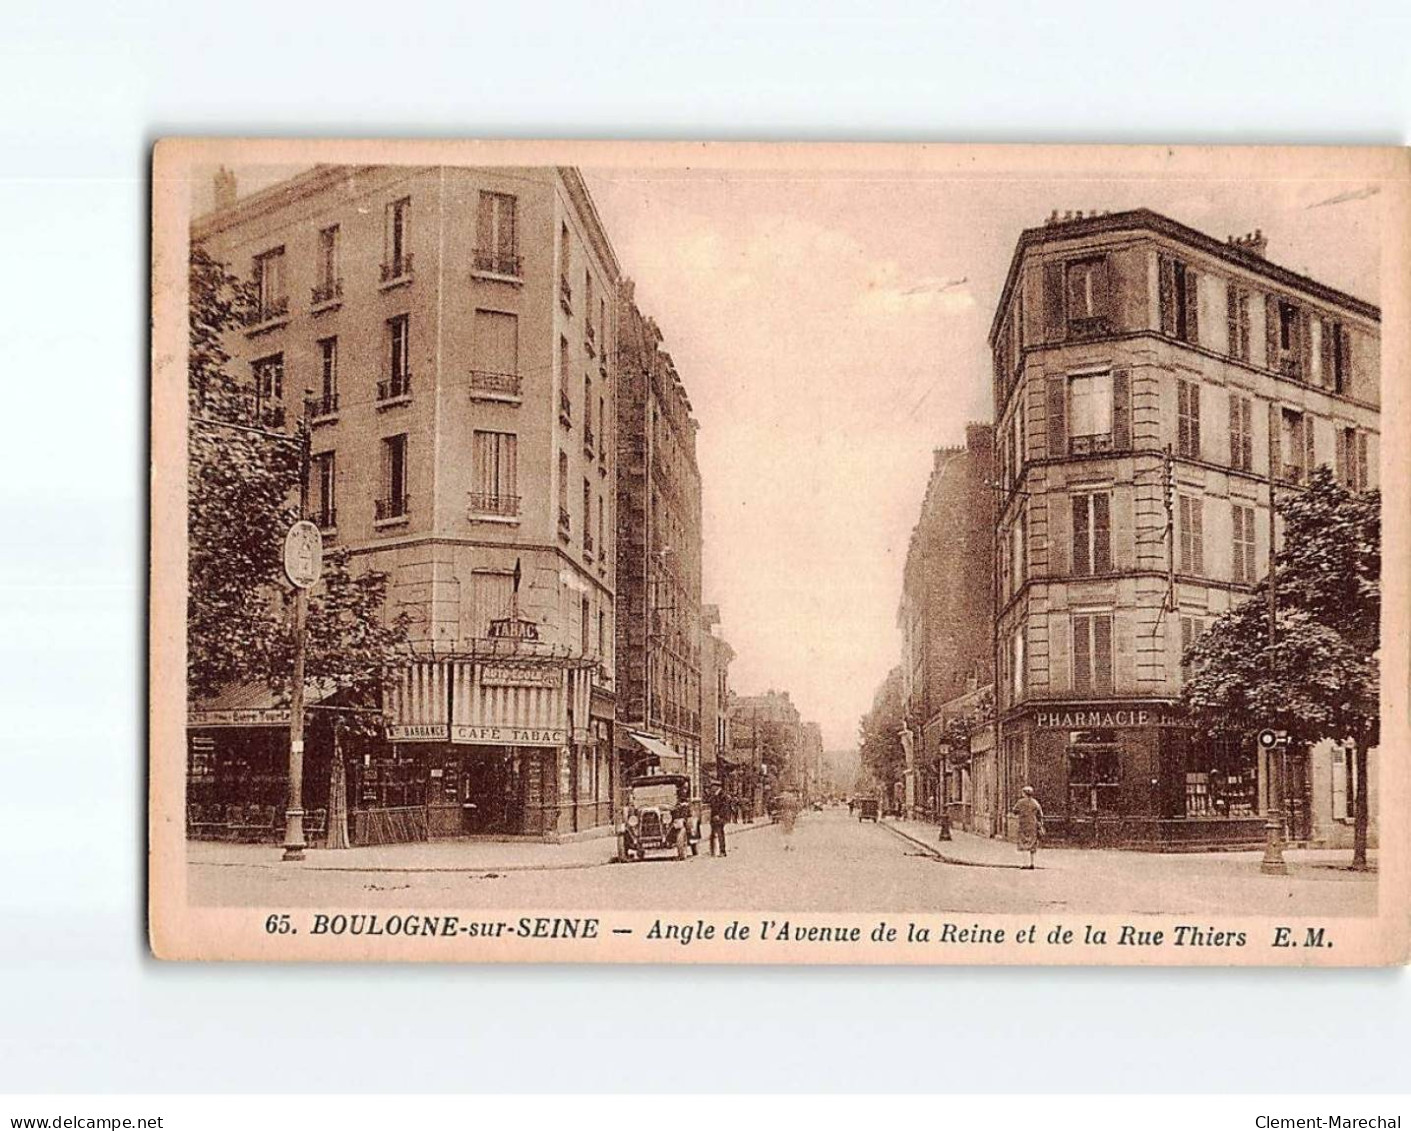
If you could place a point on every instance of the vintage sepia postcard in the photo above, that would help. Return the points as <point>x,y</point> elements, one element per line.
<point>626,552</point>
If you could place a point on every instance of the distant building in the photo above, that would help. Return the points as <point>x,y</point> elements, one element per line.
<point>716,655</point>
<point>453,331</point>
<point>659,555</point>
<point>946,610</point>
<point>765,732</point>
<point>1147,380</point>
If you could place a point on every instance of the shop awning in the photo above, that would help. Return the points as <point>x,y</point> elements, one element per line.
<point>250,705</point>
<point>663,756</point>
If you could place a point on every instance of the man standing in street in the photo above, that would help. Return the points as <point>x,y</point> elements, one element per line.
<point>719,814</point>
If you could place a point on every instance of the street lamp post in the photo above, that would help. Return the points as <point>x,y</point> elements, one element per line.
<point>1273,863</point>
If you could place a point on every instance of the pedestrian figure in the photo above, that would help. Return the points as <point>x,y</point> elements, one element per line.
<point>849,806</point>
<point>1031,823</point>
<point>719,814</point>
<point>788,814</point>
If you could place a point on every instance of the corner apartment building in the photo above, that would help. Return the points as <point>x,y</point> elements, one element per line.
<point>453,329</point>
<point>659,554</point>
<point>1147,378</point>
<point>946,607</point>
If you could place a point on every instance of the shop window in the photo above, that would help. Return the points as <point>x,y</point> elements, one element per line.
<point>1222,780</point>
<point>1094,771</point>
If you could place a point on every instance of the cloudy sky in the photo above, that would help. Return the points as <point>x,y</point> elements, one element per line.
<point>831,332</point>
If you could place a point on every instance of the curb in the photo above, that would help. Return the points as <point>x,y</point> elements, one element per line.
<point>938,854</point>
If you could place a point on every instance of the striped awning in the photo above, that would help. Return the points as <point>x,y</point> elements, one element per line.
<point>515,703</point>
<point>416,705</point>
<point>667,759</point>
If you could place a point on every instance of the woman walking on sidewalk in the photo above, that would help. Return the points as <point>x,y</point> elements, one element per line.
<point>1031,824</point>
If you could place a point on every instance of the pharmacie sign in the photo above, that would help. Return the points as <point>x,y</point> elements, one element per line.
<point>1109,717</point>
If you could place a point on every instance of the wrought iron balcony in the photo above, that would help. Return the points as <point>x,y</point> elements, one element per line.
<point>330,291</point>
<point>500,506</point>
<point>1090,445</point>
<point>269,309</point>
<point>497,263</point>
<point>326,405</point>
<point>501,384</point>
<point>399,506</point>
<point>396,387</point>
<point>398,267</point>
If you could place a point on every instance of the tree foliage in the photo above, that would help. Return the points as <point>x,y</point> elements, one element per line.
<point>883,756</point>
<point>1319,680</point>
<point>243,489</point>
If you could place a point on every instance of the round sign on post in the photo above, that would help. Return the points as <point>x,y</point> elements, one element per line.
<point>303,554</point>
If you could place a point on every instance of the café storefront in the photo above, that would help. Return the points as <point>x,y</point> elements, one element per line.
<point>1134,774</point>
<point>517,747</point>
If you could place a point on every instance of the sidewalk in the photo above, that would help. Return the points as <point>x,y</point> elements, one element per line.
<point>971,850</point>
<point>478,856</point>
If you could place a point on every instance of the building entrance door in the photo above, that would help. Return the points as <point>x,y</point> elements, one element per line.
<point>491,786</point>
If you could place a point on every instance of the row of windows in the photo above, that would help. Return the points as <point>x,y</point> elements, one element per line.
<point>1091,540</point>
<point>1081,301</point>
<point>494,495</point>
<point>1090,414</point>
<point>1090,653</point>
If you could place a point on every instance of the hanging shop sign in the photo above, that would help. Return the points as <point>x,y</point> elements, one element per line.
<point>303,554</point>
<point>509,675</point>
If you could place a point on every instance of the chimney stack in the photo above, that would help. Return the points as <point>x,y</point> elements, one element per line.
<point>225,189</point>
<point>1255,243</point>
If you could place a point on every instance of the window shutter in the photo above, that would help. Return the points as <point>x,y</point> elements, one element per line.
<point>1121,409</point>
<point>1192,307</point>
<point>1102,288</point>
<point>1340,457</point>
<point>1055,320</point>
<point>1309,450</point>
<point>1057,425</point>
<point>1082,653</point>
<point>1344,363</point>
<point>1247,423</point>
<point>1187,637</point>
<point>1236,442</point>
<point>1102,653</point>
<point>1195,419</point>
<point>1055,544</point>
<point>1197,535</point>
<point>1327,352</point>
<point>1276,458</point>
<point>1232,319</point>
<point>1082,561</point>
<point>1102,534</point>
<point>1166,293</point>
<point>1271,333</point>
<point>1244,569</point>
<point>1305,346</point>
<point>1363,476</point>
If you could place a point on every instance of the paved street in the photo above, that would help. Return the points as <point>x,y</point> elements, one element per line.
<point>831,863</point>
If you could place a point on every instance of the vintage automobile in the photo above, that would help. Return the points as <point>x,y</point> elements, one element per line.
<point>660,816</point>
<point>866,809</point>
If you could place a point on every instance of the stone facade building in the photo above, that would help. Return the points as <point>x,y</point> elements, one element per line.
<point>1147,379</point>
<point>659,554</point>
<point>946,607</point>
<point>453,330</point>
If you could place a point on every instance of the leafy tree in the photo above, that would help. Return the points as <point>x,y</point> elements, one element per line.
<point>882,753</point>
<point>1320,679</point>
<point>243,486</point>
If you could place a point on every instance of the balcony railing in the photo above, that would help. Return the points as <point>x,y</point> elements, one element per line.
<point>1090,445</point>
<point>398,267</point>
<point>399,506</point>
<point>326,405</point>
<point>497,263</point>
<point>500,506</point>
<point>396,387</point>
<point>1087,327</point>
<point>565,408</point>
<point>272,416</point>
<point>501,384</point>
<point>270,309</point>
<point>326,292</point>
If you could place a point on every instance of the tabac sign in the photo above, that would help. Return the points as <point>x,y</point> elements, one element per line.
<point>1109,717</point>
<point>509,736</point>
